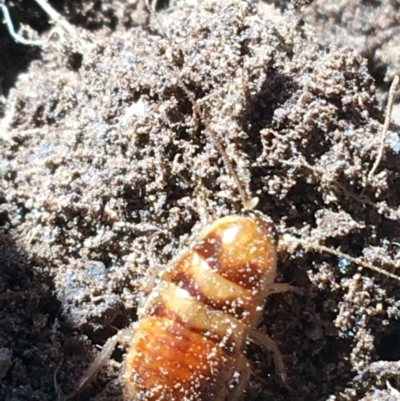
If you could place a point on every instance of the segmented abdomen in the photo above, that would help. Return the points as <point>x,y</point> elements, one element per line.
<point>194,322</point>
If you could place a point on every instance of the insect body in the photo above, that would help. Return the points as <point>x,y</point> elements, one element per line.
<point>188,343</point>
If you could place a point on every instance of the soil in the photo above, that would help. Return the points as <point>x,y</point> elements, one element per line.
<point>107,171</point>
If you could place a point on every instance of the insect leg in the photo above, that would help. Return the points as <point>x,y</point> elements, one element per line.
<point>267,342</point>
<point>277,288</point>
<point>243,368</point>
<point>123,336</point>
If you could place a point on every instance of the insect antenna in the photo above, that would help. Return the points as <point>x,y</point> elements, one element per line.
<point>247,202</point>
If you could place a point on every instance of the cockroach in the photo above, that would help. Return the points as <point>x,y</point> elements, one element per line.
<point>188,341</point>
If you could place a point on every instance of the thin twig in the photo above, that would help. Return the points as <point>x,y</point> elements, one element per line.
<point>154,5</point>
<point>385,129</point>
<point>55,384</point>
<point>50,11</point>
<point>323,249</point>
<point>55,16</point>
<point>16,36</point>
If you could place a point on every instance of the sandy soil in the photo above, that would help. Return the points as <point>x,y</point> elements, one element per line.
<point>106,173</point>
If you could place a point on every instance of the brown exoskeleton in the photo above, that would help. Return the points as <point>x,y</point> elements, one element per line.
<point>192,327</point>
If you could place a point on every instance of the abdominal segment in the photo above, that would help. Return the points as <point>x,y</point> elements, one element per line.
<point>169,362</point>
<point>194,322</point>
